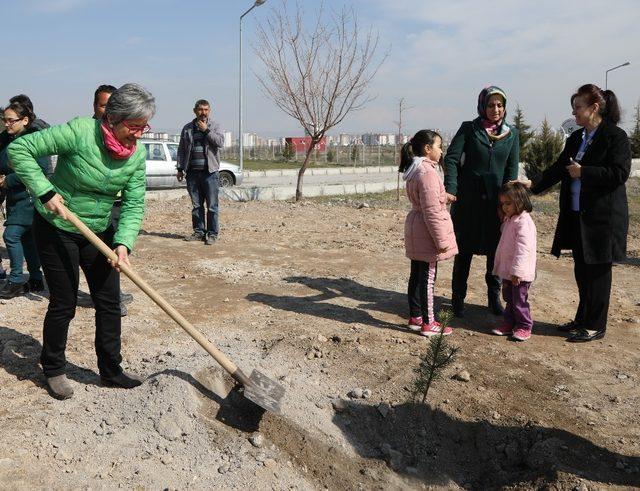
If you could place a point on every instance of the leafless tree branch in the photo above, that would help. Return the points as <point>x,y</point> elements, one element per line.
<point>317,73</point>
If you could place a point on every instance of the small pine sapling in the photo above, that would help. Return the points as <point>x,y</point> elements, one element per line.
<point>439,355</point>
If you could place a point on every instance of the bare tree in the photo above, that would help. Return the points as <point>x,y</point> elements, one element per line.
<point>316,75</point>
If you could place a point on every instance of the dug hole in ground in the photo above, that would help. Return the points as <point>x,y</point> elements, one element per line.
<point>313,295</point>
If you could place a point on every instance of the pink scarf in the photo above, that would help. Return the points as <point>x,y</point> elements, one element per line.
<point>493,128</point>
<point>116,149</point>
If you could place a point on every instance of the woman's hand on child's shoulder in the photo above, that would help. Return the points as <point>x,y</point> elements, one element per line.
<point>525,182</point>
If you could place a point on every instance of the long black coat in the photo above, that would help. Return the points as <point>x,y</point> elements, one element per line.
<point>604,214</point>
<point>475,169</point>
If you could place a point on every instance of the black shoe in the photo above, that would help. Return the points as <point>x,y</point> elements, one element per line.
<point>123,380</point>
<point>457,305</point>
<point>569,327</point>
<point>583,336</point>
<point>84,299</point>
<point>34,286</point>
<point>494,304</point>
<point>210,239</point>
<point>194,237</point>
<point>126,298</point>
<point>123,310</point>
<point>11,290</point>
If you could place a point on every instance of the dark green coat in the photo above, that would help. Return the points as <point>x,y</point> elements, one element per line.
<point>19,202</point>
<point>475,169</point>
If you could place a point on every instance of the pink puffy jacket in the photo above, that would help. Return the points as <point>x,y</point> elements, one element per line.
<point>516,252</point>
<point>428,227</point>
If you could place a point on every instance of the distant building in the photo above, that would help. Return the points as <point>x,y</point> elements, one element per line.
<point>228,139</point>
<point>301,143</point>
<point>344,140</point>
<point>275,142</point>
<point>249,140</point>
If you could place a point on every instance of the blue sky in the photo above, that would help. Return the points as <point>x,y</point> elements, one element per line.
<point>440,55</point>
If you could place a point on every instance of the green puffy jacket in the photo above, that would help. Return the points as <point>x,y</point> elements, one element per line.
<point>86,177</point>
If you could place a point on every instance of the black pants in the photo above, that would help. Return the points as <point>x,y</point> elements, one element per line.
<point>460,276</point>
<point>420,289</point>
<point>594,285</point>
<point>61,254</point>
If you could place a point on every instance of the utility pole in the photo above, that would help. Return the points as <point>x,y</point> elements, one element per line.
<point>396,154</point>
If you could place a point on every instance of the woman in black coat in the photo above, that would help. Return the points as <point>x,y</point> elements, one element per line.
<point>594,217</point>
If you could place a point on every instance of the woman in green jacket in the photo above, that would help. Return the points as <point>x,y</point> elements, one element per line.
<point>18,236</point>
<point>96,161</point>
<point>482,156</point>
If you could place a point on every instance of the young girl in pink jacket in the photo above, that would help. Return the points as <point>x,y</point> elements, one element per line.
<point>428,230</point>
<point>515,261</point>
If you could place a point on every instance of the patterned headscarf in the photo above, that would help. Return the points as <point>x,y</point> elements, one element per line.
<point>500,129</point>
<point>483,99</point>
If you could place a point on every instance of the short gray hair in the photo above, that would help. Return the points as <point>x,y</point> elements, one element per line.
<point>131,101</point>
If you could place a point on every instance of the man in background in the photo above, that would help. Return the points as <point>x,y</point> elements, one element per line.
<point>199,158</point>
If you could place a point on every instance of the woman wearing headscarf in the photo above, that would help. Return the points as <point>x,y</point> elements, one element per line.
<point>594,215</point>
<point>97,159</point>
<point>482,156</point>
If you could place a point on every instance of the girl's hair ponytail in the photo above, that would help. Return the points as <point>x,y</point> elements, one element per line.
<point>415,147</point>
<point>406,156</point>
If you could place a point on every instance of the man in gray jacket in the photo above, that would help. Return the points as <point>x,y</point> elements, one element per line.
<point>199,159</point>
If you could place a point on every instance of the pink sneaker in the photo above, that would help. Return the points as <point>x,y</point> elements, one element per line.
<point>521,334</point>
<point>434,329</point>
<point>415,323</point>
<point>503,330</point>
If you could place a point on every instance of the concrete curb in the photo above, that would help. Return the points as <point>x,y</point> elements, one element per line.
<point>281,193</point>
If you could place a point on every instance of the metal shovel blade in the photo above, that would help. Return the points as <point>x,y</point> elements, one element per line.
<point>265,392</point>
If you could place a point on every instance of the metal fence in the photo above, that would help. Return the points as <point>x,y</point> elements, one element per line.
<point>356,155</point>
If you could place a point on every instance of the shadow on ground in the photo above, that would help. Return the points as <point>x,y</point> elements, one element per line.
<point>436,448</point>
<point>164,235</point>
<point>477,318</point>
<point>331,288</point>
<point>20,357</point>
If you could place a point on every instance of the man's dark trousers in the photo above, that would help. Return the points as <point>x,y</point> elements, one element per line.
<point>203,187</point>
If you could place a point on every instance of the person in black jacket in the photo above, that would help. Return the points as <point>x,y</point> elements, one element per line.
<point>594,216</point>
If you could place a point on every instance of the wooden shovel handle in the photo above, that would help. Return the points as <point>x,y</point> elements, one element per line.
<point>218,355</point>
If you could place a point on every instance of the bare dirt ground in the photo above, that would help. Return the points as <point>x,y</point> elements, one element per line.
<point>313,294</point>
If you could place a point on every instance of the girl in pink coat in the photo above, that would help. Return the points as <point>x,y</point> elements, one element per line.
<point>428,230</point>
<point>515,261</point>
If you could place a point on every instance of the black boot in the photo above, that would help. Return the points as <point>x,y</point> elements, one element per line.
<point>11,290</point>
<point>461,267</point>
<point>457,303</point>
<point>123,380</point>
<point>494,303</point>
<point>34,286</point>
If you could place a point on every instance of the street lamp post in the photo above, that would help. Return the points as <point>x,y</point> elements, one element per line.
<point>606,74</point>
<point>257,3</point>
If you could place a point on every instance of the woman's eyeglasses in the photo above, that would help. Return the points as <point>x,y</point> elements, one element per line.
<point>10,122</point>
<point>135,129</point>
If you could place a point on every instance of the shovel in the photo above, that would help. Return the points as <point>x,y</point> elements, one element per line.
<point>258,388</point>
